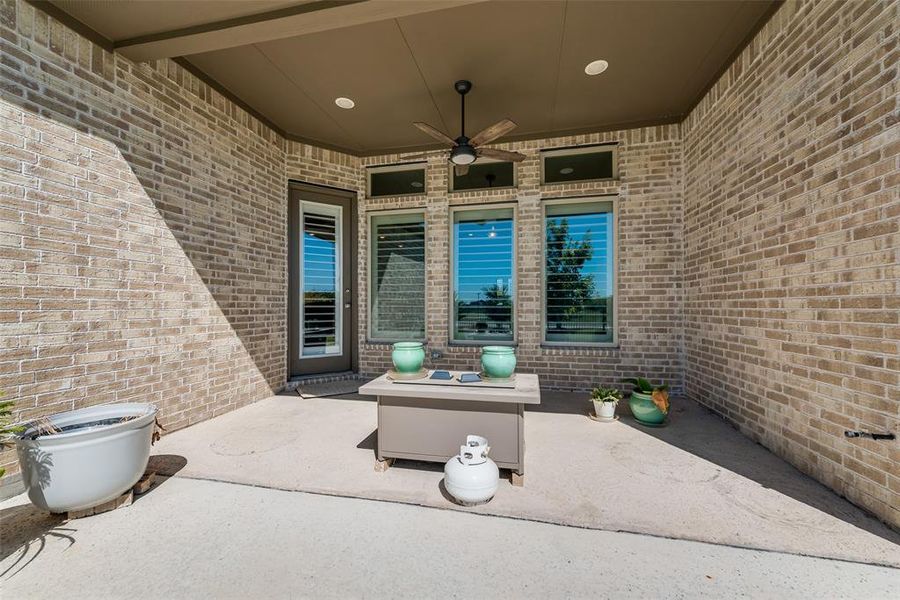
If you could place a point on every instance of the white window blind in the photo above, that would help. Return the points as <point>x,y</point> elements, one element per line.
<point>483,275</point>
<point>321,282</point>
<point>398,277</point>
<point>579,272</point>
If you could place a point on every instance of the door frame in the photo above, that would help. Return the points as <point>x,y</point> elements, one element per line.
<point>299,191</point>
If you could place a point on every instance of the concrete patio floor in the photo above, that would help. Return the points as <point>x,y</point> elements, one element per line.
<point>697,479</point>
<point>191,538</point>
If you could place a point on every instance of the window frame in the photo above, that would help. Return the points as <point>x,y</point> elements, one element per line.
<point>575,150</point>
<point>451,284</point>
<point>614,200</point>
<point>370,278</point>
<point>410,166</point>
<point>451,172</point>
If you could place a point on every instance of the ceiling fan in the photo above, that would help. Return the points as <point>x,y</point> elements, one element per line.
<point>464,150</point>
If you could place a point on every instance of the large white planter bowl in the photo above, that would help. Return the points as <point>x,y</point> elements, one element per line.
<point>88,466</point>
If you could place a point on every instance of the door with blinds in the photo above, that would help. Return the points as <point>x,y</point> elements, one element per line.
<point>322,323</point>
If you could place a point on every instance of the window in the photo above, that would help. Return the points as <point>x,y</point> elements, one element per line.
<point>320,249</point>
<point>579,272</point>
<point>484,175</point>
<point>579,164</point>
<point>397,277</point>
<point>396,180</point>
<point>483,280</point>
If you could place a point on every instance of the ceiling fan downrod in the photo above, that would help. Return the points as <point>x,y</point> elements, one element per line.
<point>462,87</point>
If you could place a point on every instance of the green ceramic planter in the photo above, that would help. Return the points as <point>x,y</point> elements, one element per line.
<point>408,357</point>
<point>498,362</point>
<point>644,410</point>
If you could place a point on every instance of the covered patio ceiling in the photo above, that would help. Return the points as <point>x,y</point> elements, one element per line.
<point>287,61</point>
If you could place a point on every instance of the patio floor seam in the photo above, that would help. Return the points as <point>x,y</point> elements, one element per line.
<point>525,519</point>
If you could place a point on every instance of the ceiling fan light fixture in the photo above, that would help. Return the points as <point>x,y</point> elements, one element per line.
<point>345,103</point>
<point>463,154</point>
<point>595,67</point>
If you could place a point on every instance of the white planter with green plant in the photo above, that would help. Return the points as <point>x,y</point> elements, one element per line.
<point>605,401</point>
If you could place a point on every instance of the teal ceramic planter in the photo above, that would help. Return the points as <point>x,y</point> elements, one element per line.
<point>408,357</point>
<point>498,362</point>
<point>645,411</point>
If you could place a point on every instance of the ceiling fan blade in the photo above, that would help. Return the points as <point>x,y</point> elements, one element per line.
<point>488,135</point>
<point>435,133</point>
<point>461,170</point>
<point>501,154</point>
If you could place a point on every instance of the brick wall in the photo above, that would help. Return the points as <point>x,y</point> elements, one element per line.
<point>648,194</point>
<point>792,283</point>
<point>143,218</point>
<point>142,233</point>
<point>321,167</point>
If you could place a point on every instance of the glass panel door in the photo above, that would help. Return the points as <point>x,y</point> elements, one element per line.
<point>320,308</point>
<point>322,250</point>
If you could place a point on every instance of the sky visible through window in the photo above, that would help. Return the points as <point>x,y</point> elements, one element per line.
<point>484,257</point>
<point>599,227</point>
<point>318,263</point>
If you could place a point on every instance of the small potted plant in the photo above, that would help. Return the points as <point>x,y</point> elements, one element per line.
<point>649,403</point>
<point>605,401</point>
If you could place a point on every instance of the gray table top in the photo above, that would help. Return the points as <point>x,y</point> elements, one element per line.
<point>527,389</point>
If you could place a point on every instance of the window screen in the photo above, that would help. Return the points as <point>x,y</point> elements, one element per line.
<point>483,281</point>
<point>579,272</point>
<point>397,298</point>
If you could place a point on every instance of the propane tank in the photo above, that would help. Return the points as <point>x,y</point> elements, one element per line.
<point>471,477</point>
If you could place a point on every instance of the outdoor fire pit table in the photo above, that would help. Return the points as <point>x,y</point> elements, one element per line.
<point>428,419</point>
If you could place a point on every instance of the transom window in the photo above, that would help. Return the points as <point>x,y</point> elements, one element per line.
<point>395,180</point>
<point>585,163</point>
<point>483,274</point>
<point>397,277</point>
<point>579,272</point>
<point>484,175</point>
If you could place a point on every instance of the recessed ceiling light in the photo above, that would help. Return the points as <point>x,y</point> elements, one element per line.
<point>596,67</point>
<point>566,171</point>
<point>416,184</point>
<point>344,102</point>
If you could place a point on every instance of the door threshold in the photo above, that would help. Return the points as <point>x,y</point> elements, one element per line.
<point>294,382</point>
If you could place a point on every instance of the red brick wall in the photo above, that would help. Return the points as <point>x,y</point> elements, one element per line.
<point>791,218</point>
